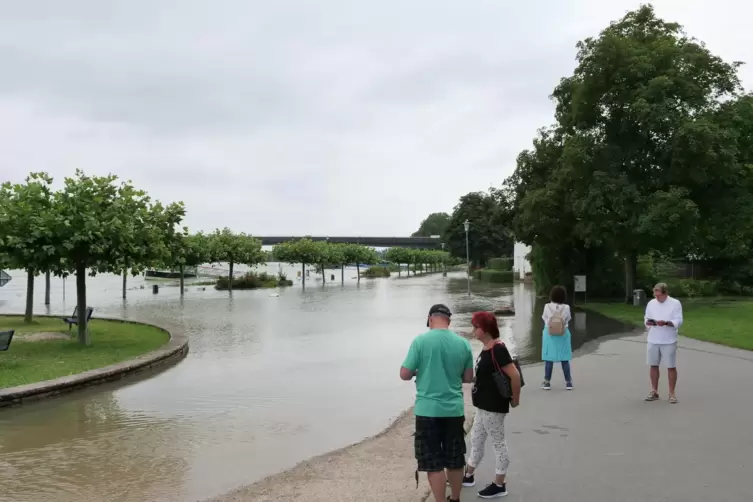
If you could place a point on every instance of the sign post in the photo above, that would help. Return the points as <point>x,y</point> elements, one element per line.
<point>579,286</point>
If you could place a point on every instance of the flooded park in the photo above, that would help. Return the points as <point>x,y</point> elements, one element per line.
<point>273,377</point>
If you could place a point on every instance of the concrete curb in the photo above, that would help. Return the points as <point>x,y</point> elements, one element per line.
<point>172,352</point>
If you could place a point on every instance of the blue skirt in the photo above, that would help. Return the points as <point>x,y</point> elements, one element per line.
<point>556,348</point>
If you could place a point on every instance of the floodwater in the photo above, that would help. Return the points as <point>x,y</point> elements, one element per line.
<point>269,381</point>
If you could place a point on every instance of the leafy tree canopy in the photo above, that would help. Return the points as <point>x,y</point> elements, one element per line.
<point>303,251</point>
<point>434,224</point>
<point>226,246</point>
<point>639,145</point>
<point>104,226</point>
<point>489,232</point>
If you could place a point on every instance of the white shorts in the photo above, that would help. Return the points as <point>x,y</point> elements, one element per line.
<point>662,354</point>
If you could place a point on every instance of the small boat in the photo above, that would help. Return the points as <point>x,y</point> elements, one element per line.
<point>173,273</point>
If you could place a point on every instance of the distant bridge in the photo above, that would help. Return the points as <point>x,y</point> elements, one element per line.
<point>377,242</point>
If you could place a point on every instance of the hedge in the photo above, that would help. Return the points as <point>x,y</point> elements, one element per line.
<point>503,264</point>
<point>496,276</point>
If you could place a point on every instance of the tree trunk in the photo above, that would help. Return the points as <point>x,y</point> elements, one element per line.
<point>29,315</point>
<point>182,281</point>
<point>631,266</point>
<point>47,288</point>
<point>342,274</point>
<point>125,283</point>
<point>303,275</point>
<point>83,328</point>
<point>324,276</point>
<point>230,277</point>
<point>399,270</point>
<point>358,270</point>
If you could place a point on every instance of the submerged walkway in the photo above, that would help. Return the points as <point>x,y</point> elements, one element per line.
<point>603,442</point>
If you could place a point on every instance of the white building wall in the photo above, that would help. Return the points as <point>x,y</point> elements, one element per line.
<point>520,264</point>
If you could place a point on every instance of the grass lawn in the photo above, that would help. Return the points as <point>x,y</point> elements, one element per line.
<point>28,362</point>
<point>723,321</point>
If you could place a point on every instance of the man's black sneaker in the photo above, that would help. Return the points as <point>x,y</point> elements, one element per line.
<point>469,480</point>
<point>493,491</point>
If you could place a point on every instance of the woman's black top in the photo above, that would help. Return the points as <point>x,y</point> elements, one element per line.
<point>485,393</point>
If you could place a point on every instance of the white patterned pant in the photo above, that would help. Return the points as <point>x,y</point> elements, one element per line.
<point>487,423</point>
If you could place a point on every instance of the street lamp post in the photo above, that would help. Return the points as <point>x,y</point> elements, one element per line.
<point>467,225</point>
<point>444,264</point>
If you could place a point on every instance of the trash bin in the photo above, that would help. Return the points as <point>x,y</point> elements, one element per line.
<point>639,297</point>
<point>155,289</point>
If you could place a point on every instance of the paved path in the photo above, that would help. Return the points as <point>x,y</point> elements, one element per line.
<point>603,443</point>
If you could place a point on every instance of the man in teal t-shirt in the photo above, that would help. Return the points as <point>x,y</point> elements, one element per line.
<point>441,361</point>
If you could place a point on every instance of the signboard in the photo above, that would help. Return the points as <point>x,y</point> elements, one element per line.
<point>4,278</point>
<point>579,283</point>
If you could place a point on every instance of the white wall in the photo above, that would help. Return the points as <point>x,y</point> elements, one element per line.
<point>520,262</point>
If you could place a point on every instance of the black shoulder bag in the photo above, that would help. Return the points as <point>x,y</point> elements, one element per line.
<point>504,386</point>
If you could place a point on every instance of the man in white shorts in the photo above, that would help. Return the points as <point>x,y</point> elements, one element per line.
<point>663,318</point>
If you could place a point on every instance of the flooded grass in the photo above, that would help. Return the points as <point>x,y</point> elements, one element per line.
<point>724,321</point>
<point>34,361</point>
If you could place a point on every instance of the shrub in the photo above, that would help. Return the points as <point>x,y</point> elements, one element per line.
<point>254,281</point>
<point>503,264</point>
<point>496,276</point>
<point>378,271</point>
<point>693,287</point>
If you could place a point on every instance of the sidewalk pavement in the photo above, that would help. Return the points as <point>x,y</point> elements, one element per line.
<point>603,443</point>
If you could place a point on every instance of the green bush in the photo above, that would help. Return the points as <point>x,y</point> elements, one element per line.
<point>503,264</point>
<point>496,276</point>
<point>373,272</point>
<point>690,288</point>
<point>254,281</point>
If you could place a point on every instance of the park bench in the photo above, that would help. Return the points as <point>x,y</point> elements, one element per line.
<point>5,338</point>
<point>73,319</point>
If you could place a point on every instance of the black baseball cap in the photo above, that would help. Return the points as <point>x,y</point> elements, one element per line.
<point>439,309</point>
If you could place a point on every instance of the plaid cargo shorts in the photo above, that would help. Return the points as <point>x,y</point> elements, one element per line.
<point>440,443</point>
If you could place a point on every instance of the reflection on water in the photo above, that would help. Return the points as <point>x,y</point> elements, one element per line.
<point>269,381</point>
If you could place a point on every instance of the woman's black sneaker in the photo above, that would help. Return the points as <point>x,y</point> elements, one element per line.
<point>469,480</point>
<point>493,491</point>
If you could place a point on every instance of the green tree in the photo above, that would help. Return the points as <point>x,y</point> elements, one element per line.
<point>152,230</point>
<point>189,251</point>
<point>636,93</point>
<point>721,149</point>
<point>399,256</point>
<point>303,251</point>
<point>98,230</point>
<point>541,194</point>
<point>489,232</point>
<point>330,255</point>
<point>228,247</point>
<point>359,254</point>
<point>434,224</point>
<point>28,230</point>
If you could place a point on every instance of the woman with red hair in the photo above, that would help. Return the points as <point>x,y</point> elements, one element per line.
<point>491,407</point>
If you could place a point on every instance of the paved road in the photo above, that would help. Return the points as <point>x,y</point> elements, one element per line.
<point>603,443</point>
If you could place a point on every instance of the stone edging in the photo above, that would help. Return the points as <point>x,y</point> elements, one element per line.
<point>173,351</point>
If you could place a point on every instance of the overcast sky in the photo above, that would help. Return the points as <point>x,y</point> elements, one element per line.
<point>309,117</point>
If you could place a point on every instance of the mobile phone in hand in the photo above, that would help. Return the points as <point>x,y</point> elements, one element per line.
<point>650,322</point>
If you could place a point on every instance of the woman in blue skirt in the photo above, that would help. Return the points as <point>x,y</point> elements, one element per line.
<point>557,345</point>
